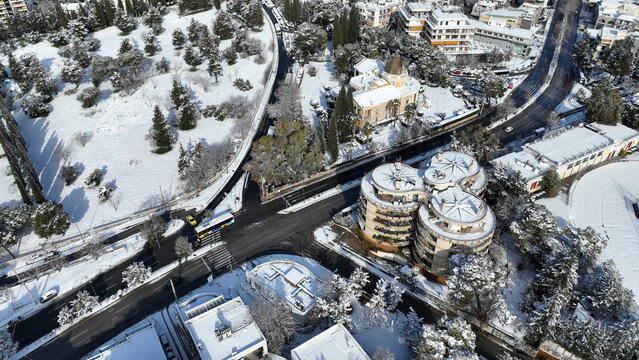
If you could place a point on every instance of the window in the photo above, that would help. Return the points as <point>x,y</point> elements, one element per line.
<point>570,166</point>
<point>600,153</point>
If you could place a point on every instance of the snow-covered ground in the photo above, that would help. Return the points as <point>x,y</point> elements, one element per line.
<point>9,195</point>
<point>233,199</point>
<point>571,102</point>
<point>18,301</point>
<point>118,125</point>
<point>175,225</point>
<point>603,200</point>
<point>312,88</point>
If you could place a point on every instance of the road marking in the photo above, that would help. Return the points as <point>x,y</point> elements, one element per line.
<point>78,334</point>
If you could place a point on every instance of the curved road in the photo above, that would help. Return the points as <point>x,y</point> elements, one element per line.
<point>259,230</point>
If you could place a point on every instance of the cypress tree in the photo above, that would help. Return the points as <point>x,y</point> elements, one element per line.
<point>353,26</point>
<point>109,11</point>
<point>287,9</point>
<point>120,5</point>
<point>217,4</point>
<point>14,165</point>
<point>61,15</point>
<point>296,10</point>
<point>320,138</point>
<point>344,27</point>
<point>99,13</point>
<point>337,33</point>
<point>333,144</point>
<point>129,7</point>
<point>161,131</point>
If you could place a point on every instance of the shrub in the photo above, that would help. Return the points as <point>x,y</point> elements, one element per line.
<point>58,39</point>
<point>312,71</point>
<point>82,137</point>
<point>244,85</point>
<point>69,174</point>
<point>35,105</point>
<point>95,178</point>
<point>89,96</point>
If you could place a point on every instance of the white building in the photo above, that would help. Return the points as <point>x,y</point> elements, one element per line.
<point>569,151</point>
<point>604,38</point>
<point>412,17</point>
<point>139,343</point>
<point>377,13</point>
<point>334,343</point>
<point>518,41</point>
<point>11,7</point>
<point>449,32</point>
<point>221,330</point>
<point>287,281</point>
<point>483,6</point>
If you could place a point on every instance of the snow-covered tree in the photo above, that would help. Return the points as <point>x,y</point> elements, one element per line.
<point>66,316</point>
<point>83,303</point>
<point>192,57</point>
<point>223,25</point>
<point>124,22</point>
<point>154,229</point>
<point>69,174</point>
<point>163,66</point>
<point>102,68</point>
<point>136,274</point>
<point>35,105</point>
<point>8,347</point>
<point>412,327</point>
<point>183,248</point>
<point>105,191</point>
<point>334,301</point>
<point>603,288</point>
<point>535,230</point>
<point>160,134</point>
<point>431,345</point>
<point>255,16</point>
<point>72,72</point>
<point>620,61</point>
<point>310,39</point>
<point>50,219</point>
<point>208,45</point>
<point>214,68</point>
<point>276,323</point>
<point>77,29</point>
<point>378,304</point>
<point>178,38</point>
<point>151,45</point>
<point>382,353</point>
<point>188,115</point>
<point>357,281</point>
<point>180,95</point>
<point>587,242</point>
<point>550,181</point>
<point>394,294</point>
<point>89,96</point>
<point>546,318</point>
<point>12,221</point>
<point>604,104</point>
<point>152,17</point>
<point>95,178</point>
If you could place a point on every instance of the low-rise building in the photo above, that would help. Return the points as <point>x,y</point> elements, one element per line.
<point>438,209</point>
<point>377,13</point>
<point>412,17</point>
<point>504,18</point>
<point>140,343</point>
<point>604,38</point>
<point>379,97</point>
<point>221,330</point>
<point>286,281</point>
<point>334,343</point>
<point>569,151</point>
<point>483,6</point>
<point>618,14</point>
<point>449,32</point>
<point>518,41</point>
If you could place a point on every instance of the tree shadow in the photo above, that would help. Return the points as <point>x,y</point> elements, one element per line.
<point>76,203</point>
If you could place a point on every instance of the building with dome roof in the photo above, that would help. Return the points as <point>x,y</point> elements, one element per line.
<point>378,97</point>
<point>438,210</point>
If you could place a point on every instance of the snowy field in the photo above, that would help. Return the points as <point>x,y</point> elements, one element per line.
<point>9,195</point>
<point>118,125</point>
<point>570,102</point>
<point>603,200</point>
<point>312,88</point>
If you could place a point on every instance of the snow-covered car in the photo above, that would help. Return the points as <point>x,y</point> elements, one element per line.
<point>508,129</point>
<point>48,295</point>
<point>191,220</point>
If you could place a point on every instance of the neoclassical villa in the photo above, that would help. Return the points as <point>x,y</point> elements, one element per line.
<point>382,91</point>
<point>437,210</point>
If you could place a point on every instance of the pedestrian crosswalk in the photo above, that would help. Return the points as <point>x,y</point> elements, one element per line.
<point>528,87</point>
<point>220,259</point>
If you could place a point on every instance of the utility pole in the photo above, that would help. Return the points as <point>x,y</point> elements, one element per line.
<point>207,265</point>
<point>25,286</point>
<point>173,289</point>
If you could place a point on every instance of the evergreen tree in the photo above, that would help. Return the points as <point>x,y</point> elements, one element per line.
<point>296,10</point>
<point>179,94</point>
<point>550,182</point>
<point>255,16</point>
<point>192,57</point>
<point>151,46</point>
<point>333,143</point>
<point>61,15</point>
<point>214,68</point>
<point>287,9</point>
<point>604,104</point>
<point>188,116</point>
<point>194,30</point>
<point>223,25</point>
<point>217,4</point>
<point>179,38</point>
<point>353,26</point>
<point>72,72</point>
<point>160,131</point>
<point>319,138</point>
<point>50,219</point>
<point>620,61</point>
<point>183,163</point>
<point>109,11</point>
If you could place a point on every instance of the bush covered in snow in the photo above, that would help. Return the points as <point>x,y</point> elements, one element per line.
<point>35,105</point>
<point>136,274</point>
<point>244,85</point>
<point>50,219</point>
<point>89,96</point>
<point>276,323</point>
<point>124,22</point>
<point>95,178</point>
<point>12,221</point>
<point>69,174</point>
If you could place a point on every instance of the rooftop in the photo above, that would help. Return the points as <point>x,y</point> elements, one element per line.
<point>220,329</point>
<point>567,145</point>
<point>292,282</point>
<point>140,343</point>
<point>524,162</point>
<point>503,13</point>
<point>520,33</point>
<point>458,206</point>
<point>450,167</point>
<point>440,15</point>
<point>419,6</point>
<point>436,226</point>
<point>335,343</point>
<point>397,178</point>
<point>381,95</point>
<point>369,66</point>
<point>366,81</point>
<point>617,132</point>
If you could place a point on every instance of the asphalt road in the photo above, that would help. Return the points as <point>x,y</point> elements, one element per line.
<point>258,230</point>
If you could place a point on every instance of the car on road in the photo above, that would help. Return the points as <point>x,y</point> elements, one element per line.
<point>52,254</point>
<point>508,129</point>
<point>191,220</point>
<point>13,322</point>
<point>48,295</point>
<point>635,206</point>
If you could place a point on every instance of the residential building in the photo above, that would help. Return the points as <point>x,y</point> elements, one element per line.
<point>438,210</point>
<point>517,41</point>
<point>72,9</point>
<point>286,281</point>
<point>483,6</point>
<point>449,32</point>
<point>379,97</point>
<point>334,343</point>
<point>569,151</point>
<point>412,17</point>
<point>377,13</point>
<point>618,14</point>
<point>10,7</point>
<point>504,18</point>
<point>140,343</point>
<point>604,38</point>
<point>219,329</point>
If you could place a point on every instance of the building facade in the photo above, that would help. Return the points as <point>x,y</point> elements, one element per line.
<point>438,210</point>
<point>604,38</point>
<point>11,7</point>
<point>377,13</point>
<point>449,32</point>
<point>618,15</point>
<point>504,17</point>
<point>412,17</point>
<point>378,97</point>
<point>569,151</point>
<point>517,41</point>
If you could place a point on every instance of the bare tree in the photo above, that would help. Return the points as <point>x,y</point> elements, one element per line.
<point>552,119</point>
<point>382,353</point>
<point>506,108</point>
<point>183,248</point>
<point>276,323</point>
<point>92,249</point>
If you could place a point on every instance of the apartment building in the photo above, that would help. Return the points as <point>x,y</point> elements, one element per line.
<point>569,151</point>
<point>483,6</point>
<point>412,17</point>
<point>449,32</point>
<point>10,7</point>
<point>377,13</point>
<point>334,343</point>
<point>517,41</point>
<point>378,97</point>
<point>618,14</point>
<point>604,38</point>
<point>438,210</point>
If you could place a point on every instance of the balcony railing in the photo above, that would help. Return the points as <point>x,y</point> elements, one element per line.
<point>394,223</point>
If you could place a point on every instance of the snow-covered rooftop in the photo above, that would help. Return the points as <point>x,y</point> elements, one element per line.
<point>221,330</point>
<point>368,190</point>
<point>382,95</point>
<point>503,13</point>
<point>292,283</point>
<point>369,66</point>
<point>567,145</point>
<point>520,33</point>
<point>140,343</point>
<point>435,226</point>
<point>367,81</point>
<point>616,133</point>
<point>397,178</point>
<point>450,167</point>
<point>334,343</point>
<point>420,6</point>
<point>441,15</point>
<point>458,206</point>
<point>524,162</point>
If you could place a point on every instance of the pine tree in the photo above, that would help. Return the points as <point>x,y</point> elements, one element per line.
<point>61,15</point>
<point>151,46</point>
<point>353,26</point>
<point>136,274</point>
<point>160,132</point>
<point>214,68</point>
<point>192,57</point>
<point>72,72</point>
<point>255,17</point>
<point>378,304</point>
<point>50,219</point>
<point>333,141</point>
<point>183,163</point>
<point>287,9</point>
<point>188,116</point>
<point>179,95</point>
<point>223,25</point>
<point>296,10</point>
<point>319,138</point>
<point>179,38</point>
<point>109,11</point>
<point>217,4</point>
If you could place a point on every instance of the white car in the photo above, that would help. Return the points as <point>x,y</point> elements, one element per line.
<point>508,129</point>
<point>48,295</point>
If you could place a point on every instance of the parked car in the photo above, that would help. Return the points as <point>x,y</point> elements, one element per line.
<point>508,129</point>
<point>48,295</point>
<point>13,322</point>
<point>191,220</point>
<point>52,254</point>
<point>635,206</point>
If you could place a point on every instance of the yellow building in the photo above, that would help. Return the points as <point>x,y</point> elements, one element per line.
<point>378,97</point>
